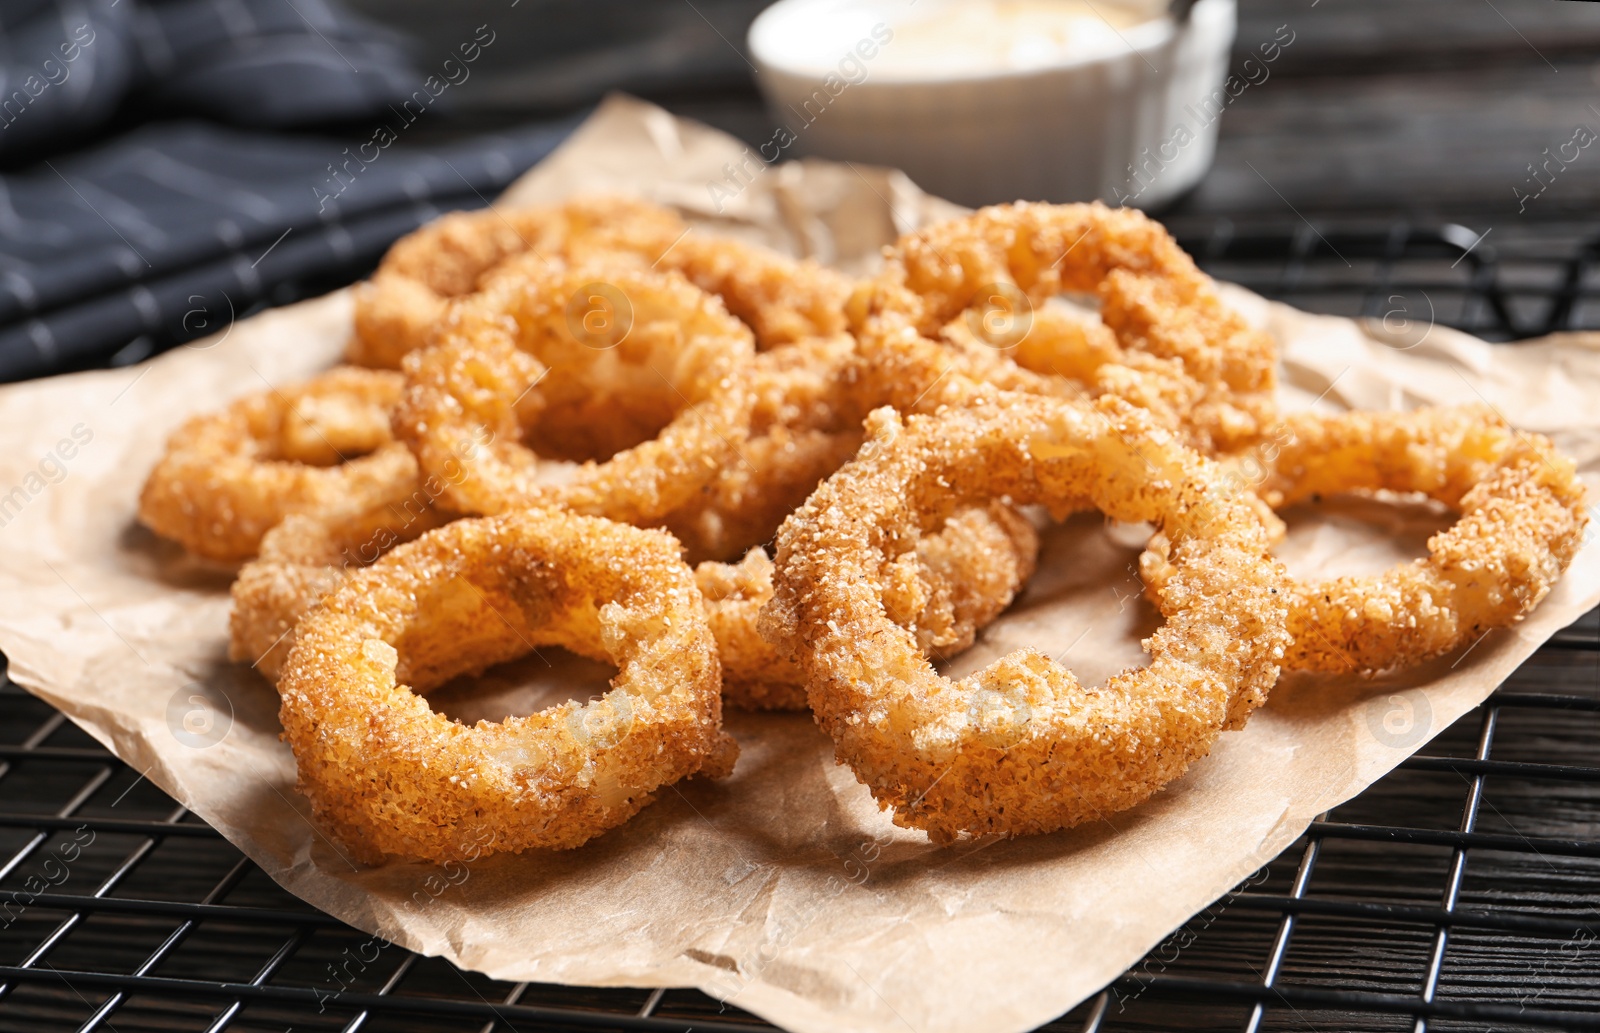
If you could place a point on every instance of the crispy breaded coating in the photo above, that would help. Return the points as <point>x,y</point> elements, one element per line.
<point>633,368</point>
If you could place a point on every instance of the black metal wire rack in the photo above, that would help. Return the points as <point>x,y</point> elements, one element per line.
<point>120,911</point>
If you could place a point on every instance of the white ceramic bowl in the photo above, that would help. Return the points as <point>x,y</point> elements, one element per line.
<point>1131,124</point>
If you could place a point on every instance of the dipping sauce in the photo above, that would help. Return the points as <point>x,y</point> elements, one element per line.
<point>940,39</point>
<point>966,36</point>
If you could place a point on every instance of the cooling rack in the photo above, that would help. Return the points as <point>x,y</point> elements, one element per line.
<point>1461,892</point>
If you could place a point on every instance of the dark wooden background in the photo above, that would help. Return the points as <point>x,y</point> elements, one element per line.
<point>1430,109</point>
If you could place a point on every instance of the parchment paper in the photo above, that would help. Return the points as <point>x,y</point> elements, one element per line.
<point>782,889</point>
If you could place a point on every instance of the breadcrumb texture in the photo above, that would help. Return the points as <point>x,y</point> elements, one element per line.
<point>1522,518</point>
<point>228,477</point>
<point>391,778</point>
<point>1021,747</point>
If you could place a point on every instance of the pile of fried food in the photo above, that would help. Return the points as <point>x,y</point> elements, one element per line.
<point>549,414</point>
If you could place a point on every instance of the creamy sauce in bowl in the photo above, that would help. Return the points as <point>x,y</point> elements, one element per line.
<point>965,37</point>
<point>939,39</point>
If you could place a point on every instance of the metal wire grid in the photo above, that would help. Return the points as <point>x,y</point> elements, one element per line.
<point>120,911</point>
<point>1554,934</point>
<point>1497,282</point>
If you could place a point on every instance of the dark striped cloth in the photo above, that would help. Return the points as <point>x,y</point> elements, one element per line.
<point>69,68</point>
<point>162,180</point>
<point>164,234</point>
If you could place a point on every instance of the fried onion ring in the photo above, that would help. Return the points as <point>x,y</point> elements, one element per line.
<point>631,366</point>
<point>423,271</point>
<point>229,476</point>
<point>1021,747</point>
<point>389,777</point>
<point>965,577</point>
<point>1168,343</point>
<point>782,299</point>
<point>1522,518</point>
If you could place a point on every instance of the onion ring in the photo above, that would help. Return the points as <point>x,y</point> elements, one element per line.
<point>597,360</point>
<point>229,476</point>
<point>965,576</point>
<point>423,271</point>
<point>1179,350</point>
<point>782,299</point>
<point>389,777</point>
<point>1522,520</point>
<point>1021,747</point>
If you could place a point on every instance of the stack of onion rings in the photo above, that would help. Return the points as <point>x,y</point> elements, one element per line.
<point>392,778</point>
<point>596,361</point>
<point>1522,520</point>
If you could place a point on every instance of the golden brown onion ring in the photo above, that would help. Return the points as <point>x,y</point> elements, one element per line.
<point>1211,371</point>
<point>389,777</point>
<point>229,476</point>
<point>425,270</point>
<point>632,366</point>
<point>1522,520</point>
<point>1021,746</point>
<point>782,299</point>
